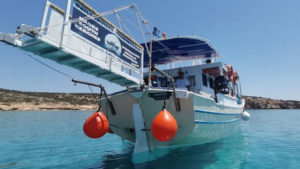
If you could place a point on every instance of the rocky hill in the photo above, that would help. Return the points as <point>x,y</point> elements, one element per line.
<point>267,103</point>
<point>16,100</point>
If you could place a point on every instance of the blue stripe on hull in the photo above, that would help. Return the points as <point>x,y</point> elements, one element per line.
<point>201,111</point>
<point>217,122</point>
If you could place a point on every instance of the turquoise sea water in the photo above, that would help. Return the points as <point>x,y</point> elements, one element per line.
<point>54,139</point>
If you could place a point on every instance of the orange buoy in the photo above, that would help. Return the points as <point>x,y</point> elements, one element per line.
<point>164,126</point>
<point>96,125</point>
<point>235,77</point>
<point>230,72</point>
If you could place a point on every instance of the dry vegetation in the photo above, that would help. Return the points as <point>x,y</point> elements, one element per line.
<point>16,100</point>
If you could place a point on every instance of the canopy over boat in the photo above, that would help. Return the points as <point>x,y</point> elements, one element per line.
<point>179,49</point>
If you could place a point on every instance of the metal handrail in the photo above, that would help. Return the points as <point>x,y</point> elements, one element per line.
<point>176,100</point>
<point>102,89</point>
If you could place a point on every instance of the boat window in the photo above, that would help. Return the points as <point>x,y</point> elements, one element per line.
<point>192,81</point>
<point>204,79</point>
<point>211,82</point>
<point>212,71</point>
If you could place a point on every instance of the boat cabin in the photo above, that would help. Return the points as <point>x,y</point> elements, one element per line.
<point>201,79</point>
<point>204,76</point>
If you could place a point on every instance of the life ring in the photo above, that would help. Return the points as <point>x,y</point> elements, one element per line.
<point>235,77</point>
<point>230,72</point>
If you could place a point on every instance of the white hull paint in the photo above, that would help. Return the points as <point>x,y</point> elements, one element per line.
<point>201,120</point>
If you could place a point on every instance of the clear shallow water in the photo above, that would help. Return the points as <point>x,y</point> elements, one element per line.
<point>54,139</point>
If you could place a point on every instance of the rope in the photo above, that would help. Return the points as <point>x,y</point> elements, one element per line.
<point>127,30</point>
<point>52,68</point>
<point>115,11</point>
<point>131,23</point>
<point>90,17</point>
<point>100,96</point>
<point>170,99</point>
<point>99,15</point>
<point>118,20</point>
<point>91,89</point>
<point>58,71</point>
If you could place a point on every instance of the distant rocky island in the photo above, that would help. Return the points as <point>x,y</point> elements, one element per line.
<point>253,102</point>
<point>17,100</point>
<point>11,100</point>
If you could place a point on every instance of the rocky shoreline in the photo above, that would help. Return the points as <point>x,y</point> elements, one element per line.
<point>11,100</point>
<point>253,102</point>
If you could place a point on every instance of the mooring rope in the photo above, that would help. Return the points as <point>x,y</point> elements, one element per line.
<point>43,63</point>
<point>54,69</point>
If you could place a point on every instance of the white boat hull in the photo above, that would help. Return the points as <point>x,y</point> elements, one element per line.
<point>201,119</point>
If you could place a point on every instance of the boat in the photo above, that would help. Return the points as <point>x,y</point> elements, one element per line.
<point>155,111</point>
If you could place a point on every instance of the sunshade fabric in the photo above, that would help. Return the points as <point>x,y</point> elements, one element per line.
<point>178,49</point>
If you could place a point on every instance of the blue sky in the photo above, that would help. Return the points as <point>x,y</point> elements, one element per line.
<point>260,38</point>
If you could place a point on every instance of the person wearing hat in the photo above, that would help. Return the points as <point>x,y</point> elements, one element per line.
<point>182,82</point>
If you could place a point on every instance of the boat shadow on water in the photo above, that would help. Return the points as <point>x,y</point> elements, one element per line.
<point>229,152</point>
<point>201,155</point>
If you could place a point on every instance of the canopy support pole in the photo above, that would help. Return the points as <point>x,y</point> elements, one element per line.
<point>150,64</point>
<point>112,108</point>
<point>176,100</point>
<point>142,70</point>
<point>66,22</point>
<point>118,19</point>
<point>45,14</point>
<point>138,16</point>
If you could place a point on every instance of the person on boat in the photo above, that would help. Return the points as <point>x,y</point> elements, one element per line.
<point>182,82</point>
